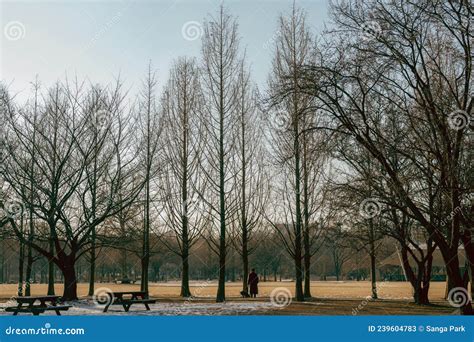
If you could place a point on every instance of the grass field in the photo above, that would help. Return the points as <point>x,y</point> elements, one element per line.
<point>330,297</point>
<point>319,289</point>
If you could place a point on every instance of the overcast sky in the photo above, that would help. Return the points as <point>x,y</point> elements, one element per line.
<point>98,40</point>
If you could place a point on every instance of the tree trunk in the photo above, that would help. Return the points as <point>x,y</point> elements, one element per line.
<point>299,295</point>
<point>29,269</point>
<point>373,275</point>
<point>221,285</point>
<point>421,292</point>
<point>466,238</point>
<point>42,276</point>
<point>31,233</point>
<point>92,264</point>
<point>70,280</point>
<point>222,240</point>
<point>145,260</point>
<point>456,280</point>
<point>307,248</point>
<point>21,263</point>
<point>306,237</point>
<point>124,265</point>
<point>373,271</point>
<point>245,232</point>
<point>419,281</point>
<point>185,291</point>
<point>307,274</point>
<point>51,270</point>
<point>144,275</point>
<point>245,262</point>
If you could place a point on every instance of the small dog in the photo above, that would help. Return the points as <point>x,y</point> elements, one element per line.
<point>244,294</point>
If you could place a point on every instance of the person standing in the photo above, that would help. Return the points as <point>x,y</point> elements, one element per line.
<point>253,283</point>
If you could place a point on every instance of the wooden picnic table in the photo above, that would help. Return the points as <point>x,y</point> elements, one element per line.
<point>37,305</point>
<point>30,300</point>
<point>127,298</point>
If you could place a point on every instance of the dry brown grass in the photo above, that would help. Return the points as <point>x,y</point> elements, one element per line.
<point>319,289</point>
<point>331,298</point>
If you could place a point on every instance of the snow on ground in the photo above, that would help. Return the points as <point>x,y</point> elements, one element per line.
<point>87,307</point>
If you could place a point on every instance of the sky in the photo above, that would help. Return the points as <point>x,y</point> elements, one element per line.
<point>97,40</point>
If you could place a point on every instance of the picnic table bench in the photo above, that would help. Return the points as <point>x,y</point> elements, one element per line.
<point>28,304</point>
<point>127,299</point>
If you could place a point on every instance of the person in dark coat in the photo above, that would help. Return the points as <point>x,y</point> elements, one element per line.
<point>253,283</point>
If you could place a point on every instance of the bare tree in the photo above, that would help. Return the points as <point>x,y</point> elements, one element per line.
<point>252,193</point>
<point>185,213</point>
<point>418,60</point>
<point>93,191</point>
<point>31,233</point>
<point>339,247</point>
<point>292,51</point>
<point>220,67</point>
<point>149,121</point>
<point>63,147</point>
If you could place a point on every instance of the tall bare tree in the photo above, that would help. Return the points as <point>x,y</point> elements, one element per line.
<point>185,213</point>
<point>149,122</point>
<point>252,192</point>
<point>219,70</point>
<point>292,52</point>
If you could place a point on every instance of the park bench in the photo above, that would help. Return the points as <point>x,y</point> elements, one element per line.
<point>127,299</point>
<point>28,304</point>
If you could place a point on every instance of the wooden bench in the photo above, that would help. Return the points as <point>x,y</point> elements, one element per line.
<point>36,310</point>
<point>27,304</point>
<point>127,298</point>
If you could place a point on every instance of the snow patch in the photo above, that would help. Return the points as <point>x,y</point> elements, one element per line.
<point>87,307</point>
